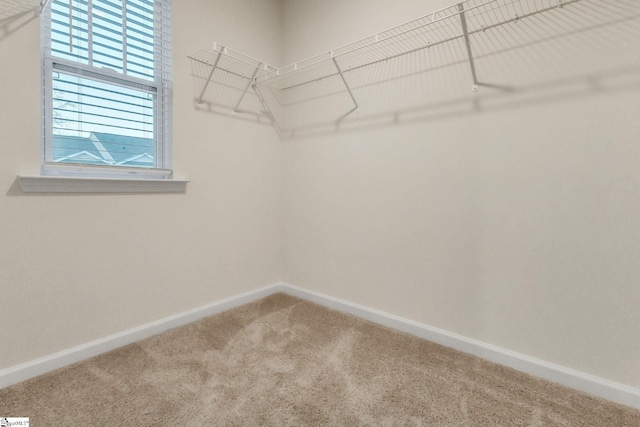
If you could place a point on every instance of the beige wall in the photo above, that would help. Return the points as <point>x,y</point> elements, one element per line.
<point>74,268</point>
<point>511,219</point>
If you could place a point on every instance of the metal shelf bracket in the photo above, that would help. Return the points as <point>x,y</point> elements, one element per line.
<point>467,41</point>
<point>356,108</point>
<point>206,84</point>
<point>42,6</point>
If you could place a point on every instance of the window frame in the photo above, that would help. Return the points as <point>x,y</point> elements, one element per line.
<point>160,86</point>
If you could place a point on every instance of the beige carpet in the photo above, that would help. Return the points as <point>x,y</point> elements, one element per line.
<point>285,361</point>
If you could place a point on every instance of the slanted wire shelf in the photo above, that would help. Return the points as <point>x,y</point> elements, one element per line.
<point>328,87</point>
<point>230,75</point>
<point>10,9</point>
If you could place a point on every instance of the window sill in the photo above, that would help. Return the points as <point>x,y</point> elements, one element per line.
<point>58,184</point>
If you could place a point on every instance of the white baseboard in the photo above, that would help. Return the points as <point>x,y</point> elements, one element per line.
<point>587,383</point>
<point>25,371</point>
<point>600,387</point>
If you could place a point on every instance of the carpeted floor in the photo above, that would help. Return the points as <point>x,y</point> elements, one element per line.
<point>285,361</point>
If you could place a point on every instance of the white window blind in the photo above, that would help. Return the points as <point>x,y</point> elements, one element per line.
<point>107,87</point>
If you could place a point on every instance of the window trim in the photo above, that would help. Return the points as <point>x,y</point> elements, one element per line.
<point>86,184</point>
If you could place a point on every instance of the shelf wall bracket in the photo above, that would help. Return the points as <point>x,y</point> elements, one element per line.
<point>467,41</point>
<point>42,6</point>
<point>206,84</point>
<point>353,98</point>
<point>244,92</point>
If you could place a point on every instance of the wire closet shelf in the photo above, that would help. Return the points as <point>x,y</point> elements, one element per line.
<point>245,84</point>
<point>15,8</point>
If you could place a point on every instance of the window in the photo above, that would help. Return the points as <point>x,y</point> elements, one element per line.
<point>107,88</point>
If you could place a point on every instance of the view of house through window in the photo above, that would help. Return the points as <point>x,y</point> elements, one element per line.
<point>107,82</point>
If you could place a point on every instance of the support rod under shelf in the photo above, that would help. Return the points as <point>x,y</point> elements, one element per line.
<point>206,84</point>
<point>43,5</point>
<point>467,41</point>
<point>353,98</point>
